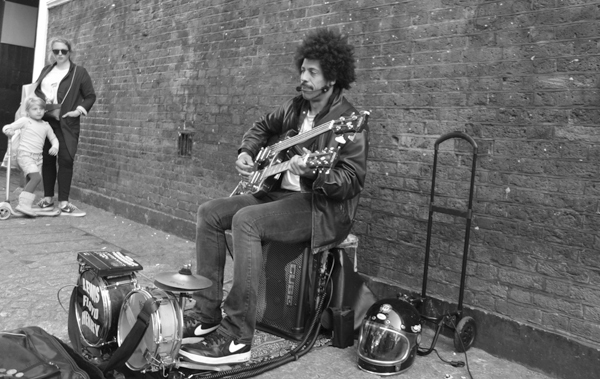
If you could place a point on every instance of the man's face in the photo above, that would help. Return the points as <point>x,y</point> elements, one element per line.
<point>311,75</point>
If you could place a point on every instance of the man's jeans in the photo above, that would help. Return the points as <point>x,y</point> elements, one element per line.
<point>280,216</point>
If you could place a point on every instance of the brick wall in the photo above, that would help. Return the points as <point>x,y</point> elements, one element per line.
<point>519,76</point>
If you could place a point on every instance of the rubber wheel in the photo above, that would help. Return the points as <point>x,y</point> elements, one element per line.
<point>4,212</point>
<point>464,334</point>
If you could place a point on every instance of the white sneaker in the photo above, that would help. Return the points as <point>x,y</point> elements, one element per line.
<point>71,210</point>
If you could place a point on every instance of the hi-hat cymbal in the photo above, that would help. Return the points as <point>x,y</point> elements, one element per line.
<point>182,281</point>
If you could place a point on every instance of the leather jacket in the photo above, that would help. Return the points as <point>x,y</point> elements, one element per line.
<point>335,192</point>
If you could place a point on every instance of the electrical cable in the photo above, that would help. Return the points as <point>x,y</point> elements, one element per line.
<point>451,363</point>
<point>464,351</point>
<point>58,296</point>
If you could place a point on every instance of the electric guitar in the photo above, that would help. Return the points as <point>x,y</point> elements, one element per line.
<point>273,154</point>
<point>258,183</point>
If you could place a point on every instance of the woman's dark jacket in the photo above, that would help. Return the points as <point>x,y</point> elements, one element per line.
<point>335,192</point>
<point>81,93</point>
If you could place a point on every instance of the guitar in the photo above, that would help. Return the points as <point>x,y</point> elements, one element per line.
<point>351,124</point>
<point>272,154</point>
<point>258,183</point>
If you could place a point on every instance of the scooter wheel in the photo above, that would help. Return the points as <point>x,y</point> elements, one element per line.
<point>4,212</point>
<point>464,334</point>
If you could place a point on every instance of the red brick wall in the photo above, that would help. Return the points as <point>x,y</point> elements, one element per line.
<point>519,76</point>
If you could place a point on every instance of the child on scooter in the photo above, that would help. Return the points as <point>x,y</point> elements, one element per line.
<point>29,153</point>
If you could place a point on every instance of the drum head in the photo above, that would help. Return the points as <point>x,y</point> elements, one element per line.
<point>162,339</point>
<point>93,309</point>
<point>132,306</point>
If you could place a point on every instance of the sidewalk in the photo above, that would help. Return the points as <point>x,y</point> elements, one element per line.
<point>39,268</point>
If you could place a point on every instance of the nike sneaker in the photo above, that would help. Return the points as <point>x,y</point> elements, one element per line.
<point>194,329</point>
<point>217,348</point>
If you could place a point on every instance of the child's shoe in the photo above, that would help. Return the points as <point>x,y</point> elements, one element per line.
<point>25,201</point>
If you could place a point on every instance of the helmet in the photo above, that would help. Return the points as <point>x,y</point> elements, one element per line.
<point>389,337</point>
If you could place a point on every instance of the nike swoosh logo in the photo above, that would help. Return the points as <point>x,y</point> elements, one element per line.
<point>233,347</point>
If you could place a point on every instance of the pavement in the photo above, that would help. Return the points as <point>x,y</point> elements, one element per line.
<point>39,268</point>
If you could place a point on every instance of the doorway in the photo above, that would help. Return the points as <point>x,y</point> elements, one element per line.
<point>18,24</point>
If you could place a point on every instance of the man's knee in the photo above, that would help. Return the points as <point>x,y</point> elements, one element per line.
<point>207,211</point>
<point>244,222</point>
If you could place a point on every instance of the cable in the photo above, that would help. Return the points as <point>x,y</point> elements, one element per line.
<point>464,351</point>
<point>451,363</point>
<point>58,296</point>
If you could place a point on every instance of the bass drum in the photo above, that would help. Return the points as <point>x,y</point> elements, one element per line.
<point>99,302</point>
<point>159,347</point>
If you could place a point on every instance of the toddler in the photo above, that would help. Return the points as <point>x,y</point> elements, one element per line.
<point>29,153</point>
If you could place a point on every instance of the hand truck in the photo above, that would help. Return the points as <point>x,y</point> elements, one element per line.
<point>465,329</point>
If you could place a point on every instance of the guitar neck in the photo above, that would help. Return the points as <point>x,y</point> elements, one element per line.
<point>289,142</point>
<point>276,169</point>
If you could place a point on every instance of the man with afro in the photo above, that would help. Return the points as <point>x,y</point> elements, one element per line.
<point>300,205</point>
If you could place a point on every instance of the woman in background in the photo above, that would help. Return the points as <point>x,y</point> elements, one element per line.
<point>69,87</point>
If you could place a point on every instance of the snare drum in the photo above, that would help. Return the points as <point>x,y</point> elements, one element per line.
<point>160,344</point>
<point>99,302</point>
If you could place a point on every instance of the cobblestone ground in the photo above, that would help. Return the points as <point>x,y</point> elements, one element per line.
<point>39,268</point>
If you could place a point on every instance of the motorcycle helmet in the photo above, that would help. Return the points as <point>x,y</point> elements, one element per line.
<point>389,337</point>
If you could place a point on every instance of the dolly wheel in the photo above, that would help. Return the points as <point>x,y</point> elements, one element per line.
<point>464,334</point>
<point>4,212</point>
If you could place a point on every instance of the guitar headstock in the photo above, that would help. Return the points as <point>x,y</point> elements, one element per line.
<point>321,160</point>
<point>355,123</point>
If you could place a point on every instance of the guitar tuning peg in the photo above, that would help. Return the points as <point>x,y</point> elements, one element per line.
<point>352,136</point>
<point>340,139</point>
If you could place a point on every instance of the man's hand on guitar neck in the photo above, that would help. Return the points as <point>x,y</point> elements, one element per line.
<point>298,165</point>
<point>244,164</point>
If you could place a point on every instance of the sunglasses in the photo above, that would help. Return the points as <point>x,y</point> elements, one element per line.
<point>61,51</point>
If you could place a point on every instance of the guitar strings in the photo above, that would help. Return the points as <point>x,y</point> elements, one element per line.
<point>286,143</point>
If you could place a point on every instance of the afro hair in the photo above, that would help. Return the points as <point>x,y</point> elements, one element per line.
<point>334,54</point>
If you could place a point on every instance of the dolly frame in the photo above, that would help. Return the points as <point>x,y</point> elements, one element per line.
<point>465,329</point>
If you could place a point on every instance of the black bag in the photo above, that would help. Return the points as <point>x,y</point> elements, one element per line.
<point>53,111</point>
<point>348,292</point>
<point>36,354</point>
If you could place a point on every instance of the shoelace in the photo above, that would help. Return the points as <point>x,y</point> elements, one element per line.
<point>214,338</point>
<point>190,320</point>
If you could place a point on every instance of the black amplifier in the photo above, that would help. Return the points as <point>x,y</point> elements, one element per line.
<point>107,263</point>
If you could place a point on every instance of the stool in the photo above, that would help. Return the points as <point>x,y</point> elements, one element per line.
<point>287,287</point>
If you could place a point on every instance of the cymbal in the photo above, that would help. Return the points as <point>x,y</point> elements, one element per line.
<point>182,281</point>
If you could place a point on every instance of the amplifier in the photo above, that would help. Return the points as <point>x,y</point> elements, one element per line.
<point>107,263</point>
<point>286,294</point>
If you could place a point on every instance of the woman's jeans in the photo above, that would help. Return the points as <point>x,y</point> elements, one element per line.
<point>281,216</point>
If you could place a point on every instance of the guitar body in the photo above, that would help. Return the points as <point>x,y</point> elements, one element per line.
<point>257,184</point>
